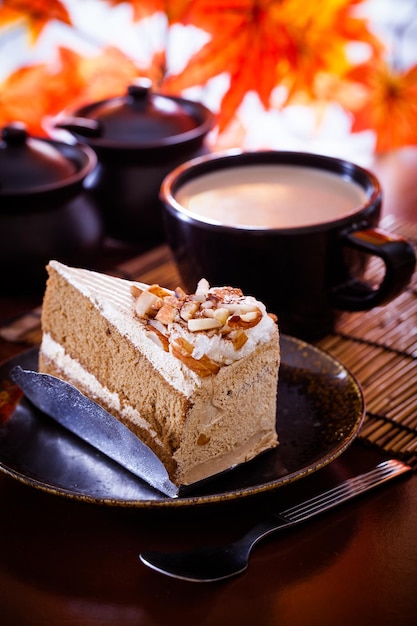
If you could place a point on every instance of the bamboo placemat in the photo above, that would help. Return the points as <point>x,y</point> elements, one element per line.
<point>379,347</point>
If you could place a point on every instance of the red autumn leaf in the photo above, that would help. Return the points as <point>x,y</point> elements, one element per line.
<point>34,13</point>
<point>387,104</point>
<point>266,43</point>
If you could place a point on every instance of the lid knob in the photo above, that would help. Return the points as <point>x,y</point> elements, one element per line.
<point>14,134</point>
<point>140,88</point>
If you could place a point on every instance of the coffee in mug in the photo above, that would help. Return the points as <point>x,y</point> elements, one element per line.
<point>267,196</point>
<point>296,230</point>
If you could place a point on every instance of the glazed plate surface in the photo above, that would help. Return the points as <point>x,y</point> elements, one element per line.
<point>320,409</point>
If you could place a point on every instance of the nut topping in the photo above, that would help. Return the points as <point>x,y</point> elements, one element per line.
<point>166,314</point>
<point>202,290</point>
<point>159,338</point>
<point>203,323</point>
<point>182,349</point>
<point>239,339</point>
<point>246,320</point>
<point>188,310</point>
<point>159,291</point>
<point>221,310</point>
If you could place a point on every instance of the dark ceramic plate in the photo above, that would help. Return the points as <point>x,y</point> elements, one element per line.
<point>320,410</point>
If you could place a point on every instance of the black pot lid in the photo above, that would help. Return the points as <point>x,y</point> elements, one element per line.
<point>139,119</point>
<point>28,163</point>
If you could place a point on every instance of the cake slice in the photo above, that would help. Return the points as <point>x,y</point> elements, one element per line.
<point>194,376</point>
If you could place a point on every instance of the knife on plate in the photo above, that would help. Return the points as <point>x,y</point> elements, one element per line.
<point>93,424</point>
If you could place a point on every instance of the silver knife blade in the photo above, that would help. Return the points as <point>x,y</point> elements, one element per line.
<point>93,424</point>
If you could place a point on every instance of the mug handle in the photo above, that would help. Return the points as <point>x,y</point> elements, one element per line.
<point>399,258</point>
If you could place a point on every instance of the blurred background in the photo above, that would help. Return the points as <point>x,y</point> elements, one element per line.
<point>337,77</point>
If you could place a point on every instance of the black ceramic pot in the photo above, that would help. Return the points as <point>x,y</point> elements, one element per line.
<point>45,212</point>
<point>138,139</point>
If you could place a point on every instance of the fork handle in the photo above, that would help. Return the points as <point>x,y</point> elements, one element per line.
<point>274,523</point>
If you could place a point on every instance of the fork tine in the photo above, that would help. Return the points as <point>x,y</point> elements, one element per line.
<point>346,490</point>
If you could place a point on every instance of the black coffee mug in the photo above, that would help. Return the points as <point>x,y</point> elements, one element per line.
<point>306,270</point>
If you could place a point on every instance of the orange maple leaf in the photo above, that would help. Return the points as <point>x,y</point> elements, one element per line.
<point>319,40</point>
<point>34,13</point>
<point>105,75</point>
<point>387,104</point>
<point>246,41</point>
<point>175,10</point>
<point>32,92</point>
<point>266,43</point>
<point>71,81</point>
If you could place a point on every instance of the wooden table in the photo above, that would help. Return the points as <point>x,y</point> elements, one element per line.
<point>66,562</point>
